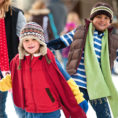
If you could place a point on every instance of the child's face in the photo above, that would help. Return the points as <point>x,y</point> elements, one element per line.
<point>101,22</point>
<point>73,18</point>
<point>31,46</point>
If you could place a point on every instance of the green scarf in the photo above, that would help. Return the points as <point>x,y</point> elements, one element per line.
<point>99,80</point>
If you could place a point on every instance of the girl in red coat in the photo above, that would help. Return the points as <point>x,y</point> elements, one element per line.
<point>38,85</point>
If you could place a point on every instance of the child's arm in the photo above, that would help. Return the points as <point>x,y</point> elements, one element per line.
<point>74,87</point>
<point>62,42</point>
<point>78,95</point>
<point>6,83</point>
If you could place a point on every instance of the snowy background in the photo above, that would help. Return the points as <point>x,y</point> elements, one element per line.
<point>11,112</point>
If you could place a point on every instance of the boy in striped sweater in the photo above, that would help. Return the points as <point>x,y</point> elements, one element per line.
<point>93,48</point>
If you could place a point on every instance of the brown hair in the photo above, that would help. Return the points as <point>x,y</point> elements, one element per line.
<point>5,5</point>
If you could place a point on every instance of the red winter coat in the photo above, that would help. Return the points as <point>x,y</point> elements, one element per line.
<point>39,84</point>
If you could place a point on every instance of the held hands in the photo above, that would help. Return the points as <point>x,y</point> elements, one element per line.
<point>78,95</point>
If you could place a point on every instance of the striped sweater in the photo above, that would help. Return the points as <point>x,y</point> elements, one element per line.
<point>80,75</point>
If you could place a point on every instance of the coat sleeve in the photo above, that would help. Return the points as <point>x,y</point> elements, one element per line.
<point>62,42</point>
<point>62,90</point>
<point>74,87</point>
<point>6,82</point>
<point>56,44</point>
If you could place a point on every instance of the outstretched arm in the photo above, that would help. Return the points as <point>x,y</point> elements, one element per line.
<point>74,87</point>
<point>56,44</point>
<point>61,42</point>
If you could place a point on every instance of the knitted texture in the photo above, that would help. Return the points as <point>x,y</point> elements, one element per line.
<point>32,31</point>
<point>99,80</point>
<point>101,8</point>
<point>4,59</point>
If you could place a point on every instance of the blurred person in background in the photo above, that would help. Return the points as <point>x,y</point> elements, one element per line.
<point>59,11</point>
<point>42,15</point>
<point>115,31</point>
<point>72,22</point>
<point>11,21</point>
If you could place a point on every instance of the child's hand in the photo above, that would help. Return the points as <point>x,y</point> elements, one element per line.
<point>6,83</point>
<point>78,95</point>
<point>84,105</point>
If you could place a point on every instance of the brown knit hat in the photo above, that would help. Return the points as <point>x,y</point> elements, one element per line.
<point>34,31</point>
<point>101,8</point>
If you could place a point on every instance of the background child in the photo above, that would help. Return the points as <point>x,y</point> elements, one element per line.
<point>38,86</point>
<point>92,52</point>
<point>72,22</point>
<point>42,15</point>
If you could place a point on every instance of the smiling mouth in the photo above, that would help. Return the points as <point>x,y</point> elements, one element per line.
<point>101,25</point>
<point>30,47</point>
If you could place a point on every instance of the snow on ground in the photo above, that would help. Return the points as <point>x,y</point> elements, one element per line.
<point>90,114</point>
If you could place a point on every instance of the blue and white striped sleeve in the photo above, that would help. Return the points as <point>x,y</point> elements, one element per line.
<point>67,38</point>
<point>117,55</point>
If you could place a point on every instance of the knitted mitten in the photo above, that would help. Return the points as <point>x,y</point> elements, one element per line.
<point>6,83</point>
<point>78,95</point>
<point>84,106</point>
<point>74,87</point>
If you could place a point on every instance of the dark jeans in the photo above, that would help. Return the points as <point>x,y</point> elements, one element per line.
<point>3,96</point>
<point>100,106</point>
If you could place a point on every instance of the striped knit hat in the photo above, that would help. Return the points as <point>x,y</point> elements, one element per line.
<point>33,31</point>
<point>101,8</point>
